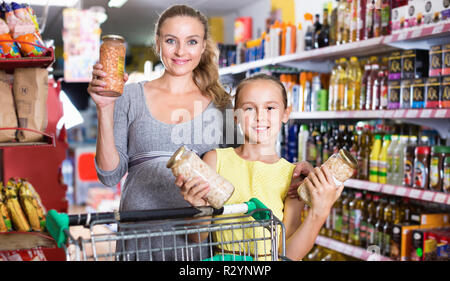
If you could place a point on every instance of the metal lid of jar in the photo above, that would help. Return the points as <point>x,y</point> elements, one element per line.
<point>349,158</point>
<point>113,37</point>
<point>175,157</point>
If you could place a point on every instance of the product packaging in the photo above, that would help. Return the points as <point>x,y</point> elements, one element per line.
<point>414,64</point>
<point>8,118</point>
<point>405,94</point>
<point>395,66</point>
<point>394,94</point>
<point>30,90</point>
<point>399,21</point>
<point>433,92</point>
<point>436,56</point>
<point>445,92</point>
<point>418,93</point>
<point>446,59</point>
<point>112,58</point>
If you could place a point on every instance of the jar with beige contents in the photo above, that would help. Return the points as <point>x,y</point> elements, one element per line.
<point>112,58</point>
<point>188,164</point>
<point>342,165</point>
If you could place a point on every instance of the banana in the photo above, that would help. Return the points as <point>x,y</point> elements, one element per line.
<point>5,220</point>
<point>32,205</point>
<point>19,220</point>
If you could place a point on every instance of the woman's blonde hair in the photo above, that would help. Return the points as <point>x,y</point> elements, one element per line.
<point>206,74</point>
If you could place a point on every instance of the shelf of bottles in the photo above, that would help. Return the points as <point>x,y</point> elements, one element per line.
<point>353,251</point>
<point>401,191</point>
<point>372,46</point>
<point>377,114</point>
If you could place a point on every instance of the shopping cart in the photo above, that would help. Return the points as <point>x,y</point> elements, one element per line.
<point>256,234</point>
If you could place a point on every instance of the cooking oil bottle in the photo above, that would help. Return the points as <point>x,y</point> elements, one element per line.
<point>336,213</point>
<point>398,160</point>
<point>345,217</point>
<point>382,159</point>
<point>390,159</point>
<point>342,83</point>
<point>371,220</point>
<point>373,169</point>
<point>380,223</point>
<point>356,212</point>
<point>333,87</point>
<point>363,233</point>
<point>354,75</point>
<point>387,227</point>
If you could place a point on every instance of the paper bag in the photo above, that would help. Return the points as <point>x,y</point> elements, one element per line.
<point>30,90</point>
<point>8,118</point>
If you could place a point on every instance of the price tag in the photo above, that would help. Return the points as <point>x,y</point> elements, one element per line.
<point>426,113</point>
<point>427,195</point>
<point>411,113</point>
<point>388,113</point>
<point>399,113</point>
<point>440,197</point>
<point>400,191</point>
<point>438,29</point>
<point>402,36</point>
<point>387,188</point>
<point>440,113</point>
<point>415,193</point>
<point>416,33</point>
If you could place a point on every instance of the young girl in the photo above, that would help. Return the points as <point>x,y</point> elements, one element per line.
<point>255,170</point>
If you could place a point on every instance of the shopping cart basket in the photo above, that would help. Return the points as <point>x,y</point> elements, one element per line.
<point>245,220</point>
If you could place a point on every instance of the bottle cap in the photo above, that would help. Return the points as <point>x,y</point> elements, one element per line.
<point>308,16</point>
<point>422,150</point>
<point>440,149</point>
<point>348,158</point>
<point>176,157</point>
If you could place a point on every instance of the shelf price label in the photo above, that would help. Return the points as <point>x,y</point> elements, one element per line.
<point>427,195</point>
<point>411,113</point>
<point>440,113</point>
<point>438,29</point>
<point>440,197</point>
<point>415,193</point>
<point>402,36</point>
<point>387,188</point>
<point>426,113</point>
<point>416,33</point>
<point>400,191</point>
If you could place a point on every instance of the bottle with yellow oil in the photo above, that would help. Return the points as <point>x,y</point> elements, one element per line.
<point>383,159</point>
<point>374,154</point>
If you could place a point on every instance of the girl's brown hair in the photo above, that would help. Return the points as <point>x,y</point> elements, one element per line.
<point>206,74</point>
<point>265,77</point>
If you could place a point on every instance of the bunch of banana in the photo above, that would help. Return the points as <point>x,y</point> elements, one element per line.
<point>31,205</point>
<point>5,220</point>
<point>19,220</point>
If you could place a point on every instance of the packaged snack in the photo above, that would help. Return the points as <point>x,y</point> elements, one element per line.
<point>24,33</point>
<point>342,166</point>
<point>186,163</point>
<point>112,58</point>
<point>8,117</point>
<point>10,49</point>
<point>2,54</point>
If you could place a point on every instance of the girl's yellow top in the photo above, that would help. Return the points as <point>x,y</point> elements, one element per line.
<point>252,179</point>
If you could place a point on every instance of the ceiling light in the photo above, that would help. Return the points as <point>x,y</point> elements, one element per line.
<point>116,3</point>
<point>64,3</point>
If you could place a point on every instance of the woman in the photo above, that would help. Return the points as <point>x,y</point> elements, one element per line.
<point>139,131</point>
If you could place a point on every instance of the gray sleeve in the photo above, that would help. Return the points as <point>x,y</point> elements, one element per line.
<point>122,115</point>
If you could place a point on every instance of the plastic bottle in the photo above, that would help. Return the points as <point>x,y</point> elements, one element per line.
<point>332,92</point>
<point>302,98</point>
<point>342,83</point>
<point>300,38</point>
<point>315,93</point>
<point>383,84</point>
<point>302,142</point>
<point>373,172</point>
<point>341,22</point>
<point>345,217</point>
<point>354,85</point>
<point>408,162</point>
<point>293,143</point>
<point>390,172</point>
<point>334,24</point>
<point>370,7</point>
<point>372,86</point>
<point>309,32</point>
<point>363,91</point>
<point>399,160</point>
<point>311,153</point>
<point>356,211</point>
<point>385,17</point>
<point>382,160</point>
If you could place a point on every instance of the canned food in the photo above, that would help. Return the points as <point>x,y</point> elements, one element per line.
<point>112,58</point>
<point>342,166</point>
<point>188,164</point>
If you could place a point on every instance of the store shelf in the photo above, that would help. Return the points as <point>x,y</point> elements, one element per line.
<point>45,61</point>
<point>402,191</point>
<point>349,250</point>
<point>47,141</point>
<point>375,114</point>
<point>15,240</point>
<point>420,37</point>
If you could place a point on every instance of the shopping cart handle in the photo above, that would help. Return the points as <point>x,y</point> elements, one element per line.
<point>254,204</point>
<point>56,223</point>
